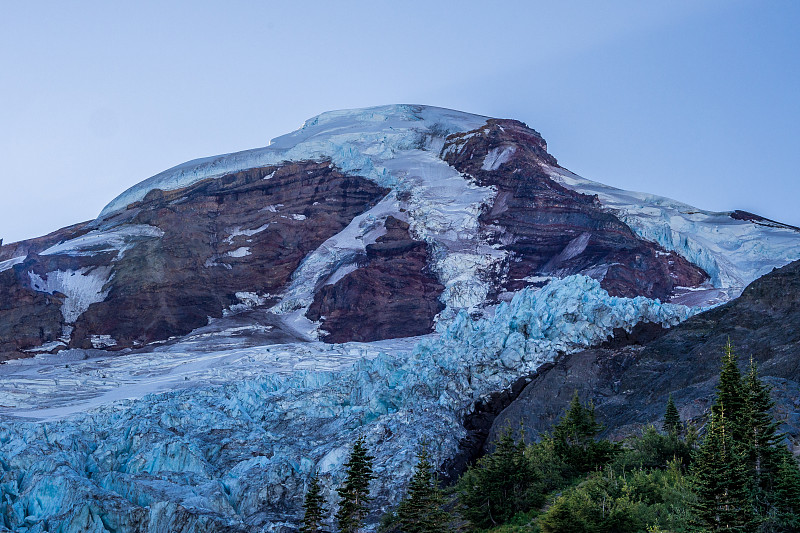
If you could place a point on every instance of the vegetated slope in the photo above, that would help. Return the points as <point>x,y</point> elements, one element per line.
<point>630,385</point>
<point>301,228</point>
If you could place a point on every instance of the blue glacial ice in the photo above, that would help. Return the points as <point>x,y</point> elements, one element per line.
<point>236,457</point>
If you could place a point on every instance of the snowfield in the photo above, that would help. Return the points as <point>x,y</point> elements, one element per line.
<point>232,449</point>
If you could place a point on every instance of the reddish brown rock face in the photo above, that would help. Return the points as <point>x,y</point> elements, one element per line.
<point>27,318</point>
<point>247,231</point>
<point>550,230</point>
<point>391,295</point>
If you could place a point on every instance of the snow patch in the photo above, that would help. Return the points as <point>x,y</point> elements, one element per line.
<point>46,347</point>
<point>239,252</point>
<point>239,232</point>
<point>340,273</point>
<point>341,250</point>
<point>102,341</point>
<point>82,288</point>
<point>496,157</point>
<point>247,300</point>
<point>8,263</point>
<point>118,239</point>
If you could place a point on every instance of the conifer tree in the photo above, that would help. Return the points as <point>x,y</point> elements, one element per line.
<point>787,491</point>
<point>421,510</point>
<point>763,429</point>
<point>498,486</point>
<point>722,480</point>
<point>574,437</point>
<point>354,492</point>
<point>763,440</point>
<point>672,419</point>
<point>314,507</point>
<point>731,394</point>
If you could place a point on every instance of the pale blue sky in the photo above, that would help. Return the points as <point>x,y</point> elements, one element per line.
<point>696,100</point>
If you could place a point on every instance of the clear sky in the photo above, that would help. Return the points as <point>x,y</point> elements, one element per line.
<point>695,100</point>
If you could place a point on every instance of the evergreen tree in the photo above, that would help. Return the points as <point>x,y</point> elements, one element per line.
<point>722,480</point>
<point>354,492</point>
<point>763,437</point>
<point>421,510</point>
<point>314,507</point>
<point>787,492</point>
<point>574,438</point>
<point>672,419</point>
<point>731,394</point>
<point>499,485</point>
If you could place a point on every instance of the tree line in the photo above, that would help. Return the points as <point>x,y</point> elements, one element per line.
<point>739,477</point>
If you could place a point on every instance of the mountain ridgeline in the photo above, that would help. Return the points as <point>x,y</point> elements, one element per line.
<point>382,256</point>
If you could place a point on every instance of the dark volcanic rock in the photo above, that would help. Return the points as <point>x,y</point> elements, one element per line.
<point>758,219</point>
<point>392,294</point>
<point>630,386</point>
<point>550,230</point>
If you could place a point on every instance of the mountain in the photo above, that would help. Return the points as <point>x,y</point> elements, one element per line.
<point>365,225</point>
<point>223,329</point>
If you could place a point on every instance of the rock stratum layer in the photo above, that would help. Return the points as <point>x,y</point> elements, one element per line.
<point>227,327</point>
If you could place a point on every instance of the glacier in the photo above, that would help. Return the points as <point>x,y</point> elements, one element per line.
<point>733,252</point>
<point>221,429</point>
<point>234,455</point>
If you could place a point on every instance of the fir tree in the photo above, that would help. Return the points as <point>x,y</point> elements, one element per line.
<point>574,438</point>
<point>722,480</point>
<point>314,507</point>
<point>354,492</point>
<point>731,394</point>
<point>787,492</point>
<point>762,439</point>
<point>421,510</point>
<point>672,419</point>
<point>499,486</point>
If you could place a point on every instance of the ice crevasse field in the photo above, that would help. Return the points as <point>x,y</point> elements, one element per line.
<point>242,451</point>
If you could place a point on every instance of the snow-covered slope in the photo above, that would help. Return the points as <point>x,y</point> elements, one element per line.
<point>398,146</point>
